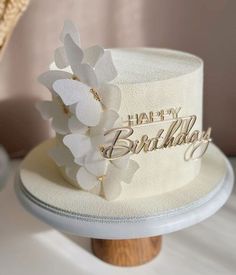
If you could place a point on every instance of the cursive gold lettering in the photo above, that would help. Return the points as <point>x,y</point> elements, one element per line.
<point>178,133</point>
<point>115,150</point>
<point>169,138</point>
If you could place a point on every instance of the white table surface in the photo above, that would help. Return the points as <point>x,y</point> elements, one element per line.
<point>30,247</point>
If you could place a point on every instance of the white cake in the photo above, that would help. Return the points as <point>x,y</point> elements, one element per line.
<point>107,113</point>
<point>151,80</point>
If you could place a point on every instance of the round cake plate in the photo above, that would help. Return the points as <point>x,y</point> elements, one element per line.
<point>134,228</point>
<point>114,228</point>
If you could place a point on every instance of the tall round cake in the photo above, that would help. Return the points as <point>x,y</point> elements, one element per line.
<point>159,81</point>
<point>128,122</point>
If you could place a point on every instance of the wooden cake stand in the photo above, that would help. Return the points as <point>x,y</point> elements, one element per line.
<point>124,241</point>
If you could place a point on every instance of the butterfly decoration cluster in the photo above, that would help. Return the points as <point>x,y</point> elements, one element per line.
<point>83,107</point>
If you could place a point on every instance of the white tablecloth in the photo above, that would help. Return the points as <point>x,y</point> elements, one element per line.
<point>30,247</point>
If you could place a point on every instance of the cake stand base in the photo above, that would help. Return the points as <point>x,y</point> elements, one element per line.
<point>130,252</point>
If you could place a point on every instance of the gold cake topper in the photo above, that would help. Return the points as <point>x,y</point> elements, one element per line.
<point>179,132</point>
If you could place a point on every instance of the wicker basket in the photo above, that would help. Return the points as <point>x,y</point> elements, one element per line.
<point>10,12</point>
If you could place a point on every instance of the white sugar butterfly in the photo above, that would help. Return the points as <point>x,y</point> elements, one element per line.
<point>86,106</point>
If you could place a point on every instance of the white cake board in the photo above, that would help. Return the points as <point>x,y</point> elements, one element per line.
<point>101,226</point>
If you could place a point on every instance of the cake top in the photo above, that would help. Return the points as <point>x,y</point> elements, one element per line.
<point>141,65</point>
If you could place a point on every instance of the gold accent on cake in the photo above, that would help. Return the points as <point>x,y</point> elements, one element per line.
<point>152,116</point>
<point>95,94</point>
<point>179,132</point>
<point>65,109</point>
<point>101,178</point>
<point>92,90</point>
<point>74,77</point>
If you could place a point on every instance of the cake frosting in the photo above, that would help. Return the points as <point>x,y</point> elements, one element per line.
<point>153,80</point>
<point>128,121</point>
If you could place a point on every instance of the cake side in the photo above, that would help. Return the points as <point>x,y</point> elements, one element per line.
<point>175,80</point>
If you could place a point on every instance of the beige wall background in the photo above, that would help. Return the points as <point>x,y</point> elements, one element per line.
<point>205,28</point>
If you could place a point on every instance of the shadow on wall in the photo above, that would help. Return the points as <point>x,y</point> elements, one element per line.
<point>21,126</point>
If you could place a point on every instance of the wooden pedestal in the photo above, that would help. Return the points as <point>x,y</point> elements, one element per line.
<point>127,252</point>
